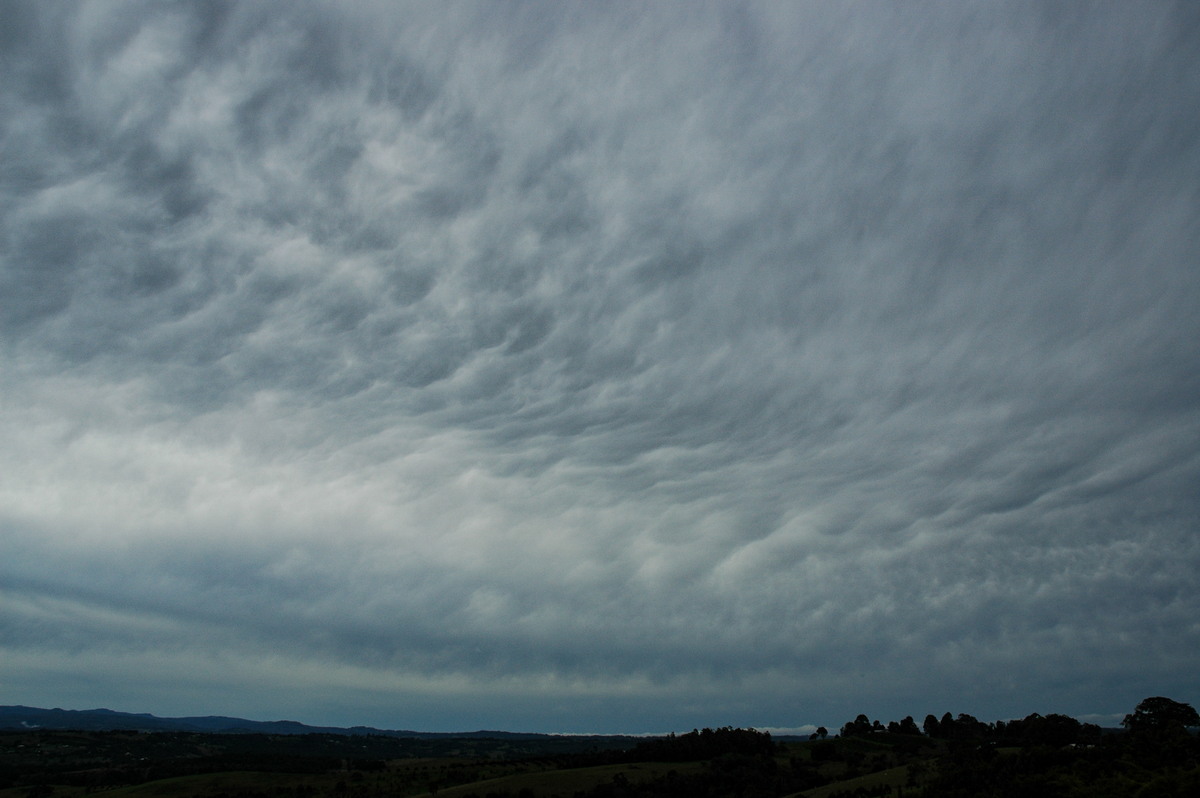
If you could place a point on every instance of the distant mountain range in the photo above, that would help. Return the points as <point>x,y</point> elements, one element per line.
<point>27,718</point>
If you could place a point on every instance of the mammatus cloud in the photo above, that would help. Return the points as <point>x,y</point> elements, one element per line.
<point>598,368</point>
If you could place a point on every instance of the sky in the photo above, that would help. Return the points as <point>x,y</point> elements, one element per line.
<point>599,367</point>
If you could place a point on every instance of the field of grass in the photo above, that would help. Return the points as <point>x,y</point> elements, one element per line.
<point>709,764</point>
<point>204,784</point>
<point>215,783</point>
<point>893,777</point>
<point>415,778</point>
<point>398,779</point>
<point>567,782</point>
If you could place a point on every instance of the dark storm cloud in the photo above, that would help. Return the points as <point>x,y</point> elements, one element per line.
<point>570,355</point>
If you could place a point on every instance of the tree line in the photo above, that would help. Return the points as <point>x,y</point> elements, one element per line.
<point>1154,715</point>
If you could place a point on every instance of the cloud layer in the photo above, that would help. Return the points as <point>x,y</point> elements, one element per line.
<point>598,367</point>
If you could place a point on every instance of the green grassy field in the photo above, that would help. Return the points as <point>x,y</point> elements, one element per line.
<point>404,779</point>
<point>567,782</point>
<point>204,784</point>
<point>893,777</point>
<point>398,779</point>
<point>708,764</point>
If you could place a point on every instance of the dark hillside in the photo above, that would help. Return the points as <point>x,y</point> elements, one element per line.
<point>1156,754</point>
<point>28,718</point>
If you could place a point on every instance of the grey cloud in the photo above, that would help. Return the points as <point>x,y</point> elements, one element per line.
<point>651,354</point>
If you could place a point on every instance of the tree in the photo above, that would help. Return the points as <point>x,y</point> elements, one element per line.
<point>1158,733</point>
<point>968,727</point>
<point>1052,730</point>
<point>859,726</point>
<point>1158,714</point>
<point>931,726</point>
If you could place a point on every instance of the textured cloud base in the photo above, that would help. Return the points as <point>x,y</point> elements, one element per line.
<point>599,367</point>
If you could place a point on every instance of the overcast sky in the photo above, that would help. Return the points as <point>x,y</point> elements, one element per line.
<point>612,367</point>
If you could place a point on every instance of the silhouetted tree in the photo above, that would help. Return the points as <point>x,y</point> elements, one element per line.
<point>1052,730</point>
<point>704,744</point>
<point>931,726</point>
<point>1158,735</point>
<point>857,727</point>
<point>968,727</point>
<point>1157,714</point>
